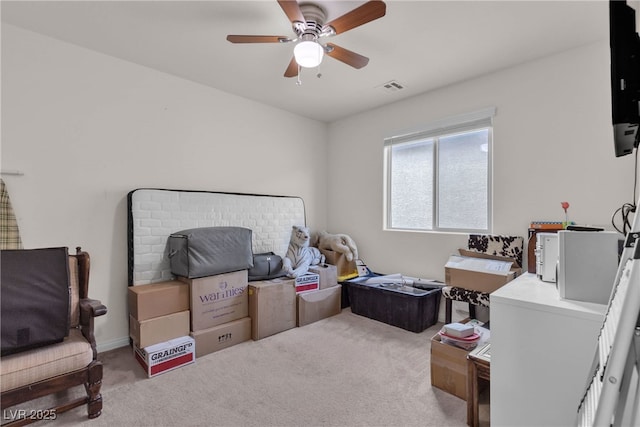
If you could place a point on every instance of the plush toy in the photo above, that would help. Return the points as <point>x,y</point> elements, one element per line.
<point>300,255</point>
<point>340,243</point>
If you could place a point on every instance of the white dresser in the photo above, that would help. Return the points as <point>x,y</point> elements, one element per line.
<point>542,349</point>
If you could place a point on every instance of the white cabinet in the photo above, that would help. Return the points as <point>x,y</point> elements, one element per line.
<point>542,349</point>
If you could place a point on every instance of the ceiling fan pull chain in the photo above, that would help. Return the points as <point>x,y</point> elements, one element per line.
<point>299,81</point>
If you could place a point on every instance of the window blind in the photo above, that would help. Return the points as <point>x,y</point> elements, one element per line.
<point>449,125</point>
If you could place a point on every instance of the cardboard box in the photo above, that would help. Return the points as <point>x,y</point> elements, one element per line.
<point>346,269</point>
<point>307,282</point>
<point>166,356</point>
<point>317,305</point>
<point>218,299</point>
<point>272,307</point>
<point>449,368</point>
<point>328,275</point>
<point>480,272</point>
<point>158,299</point>
<point>158,329</point>
<point>222,336</point>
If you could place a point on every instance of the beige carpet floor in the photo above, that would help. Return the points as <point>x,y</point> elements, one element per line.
<point>346,370</point>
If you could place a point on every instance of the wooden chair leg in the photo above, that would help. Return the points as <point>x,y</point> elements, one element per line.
<point>94,401</point>
<point>448,310</point>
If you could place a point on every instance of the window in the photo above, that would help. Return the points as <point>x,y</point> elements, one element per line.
<point>438,178</point>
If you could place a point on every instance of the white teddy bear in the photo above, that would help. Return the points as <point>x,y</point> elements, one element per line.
<point>340,243</point>
<point>300,256</point>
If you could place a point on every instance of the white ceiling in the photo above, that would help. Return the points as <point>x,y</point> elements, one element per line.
<point>423,45</point>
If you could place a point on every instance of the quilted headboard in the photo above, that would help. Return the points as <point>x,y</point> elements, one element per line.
<point>153,214</point>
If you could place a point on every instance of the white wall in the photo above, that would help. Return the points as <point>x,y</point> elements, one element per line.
<point>86,129</point>
<point>552,142</point>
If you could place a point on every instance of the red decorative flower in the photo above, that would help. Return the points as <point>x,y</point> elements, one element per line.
<point>565,206</point>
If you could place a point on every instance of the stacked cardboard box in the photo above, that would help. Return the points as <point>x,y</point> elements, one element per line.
<point>158,315</point>
<point>166,356</point>
<point>272,307</point>
<point>317,305</point>
<point>323,302</point>
<point>480,272</point>
<point>449,368</point>
<point>219,307</point>
<point>345,269</point>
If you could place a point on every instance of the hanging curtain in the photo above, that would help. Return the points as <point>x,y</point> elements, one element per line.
<point>9,232</point>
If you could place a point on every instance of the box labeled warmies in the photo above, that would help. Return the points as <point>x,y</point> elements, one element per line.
<point>158,299</point>
<point>166,356</point>
<point>218,299</point>
<point>222,336</point>
<point>272,307</point>
<point>158,329</point>
<point>317,305</point>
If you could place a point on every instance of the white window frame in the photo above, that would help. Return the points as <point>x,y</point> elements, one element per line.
<point>482,119</point>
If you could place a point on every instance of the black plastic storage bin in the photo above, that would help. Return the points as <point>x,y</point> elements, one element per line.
<point>412,309</point>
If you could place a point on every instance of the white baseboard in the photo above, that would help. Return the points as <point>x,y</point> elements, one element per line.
<point>113,344</point>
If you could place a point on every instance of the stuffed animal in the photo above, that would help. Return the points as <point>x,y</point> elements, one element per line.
<point>300,256</point>
<point>340,243</point>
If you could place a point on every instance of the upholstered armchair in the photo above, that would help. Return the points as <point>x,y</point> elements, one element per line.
<point>506,246</point>
<point>45,370</point>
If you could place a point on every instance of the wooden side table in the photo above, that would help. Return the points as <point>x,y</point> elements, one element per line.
<point>478,368</point>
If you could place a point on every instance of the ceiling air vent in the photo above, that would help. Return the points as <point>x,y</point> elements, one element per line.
<point>391,86</point>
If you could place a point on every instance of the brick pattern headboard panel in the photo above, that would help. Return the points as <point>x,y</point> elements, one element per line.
<point>153,214</point>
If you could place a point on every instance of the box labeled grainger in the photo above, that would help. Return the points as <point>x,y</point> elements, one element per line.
<point>307,282</point>
<point>166,356</point>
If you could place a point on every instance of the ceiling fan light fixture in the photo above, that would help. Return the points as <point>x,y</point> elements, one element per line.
<point>308,53</point>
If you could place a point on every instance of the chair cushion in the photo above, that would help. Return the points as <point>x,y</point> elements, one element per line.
<point>465,295</point>
<point>42,363</point>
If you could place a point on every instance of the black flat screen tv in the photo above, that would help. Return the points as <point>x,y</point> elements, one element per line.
<point>625,76</point>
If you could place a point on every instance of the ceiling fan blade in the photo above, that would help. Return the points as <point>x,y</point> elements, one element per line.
<point>346,56</point>
<point>292,10</point>
<point>257,39</point>
<point>292,69</point>
<point>368,12</point>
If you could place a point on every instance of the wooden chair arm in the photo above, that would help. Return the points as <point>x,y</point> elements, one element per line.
<point>90,308</point>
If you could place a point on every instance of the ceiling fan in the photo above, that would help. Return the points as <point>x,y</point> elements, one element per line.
<point>308,22</point>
